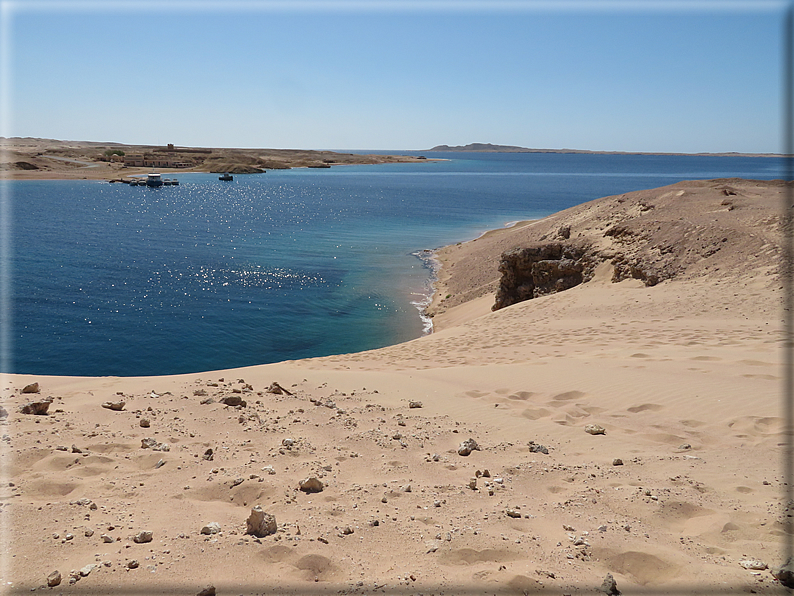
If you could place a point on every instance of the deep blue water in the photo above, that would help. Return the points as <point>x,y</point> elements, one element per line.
<point>116,280</point>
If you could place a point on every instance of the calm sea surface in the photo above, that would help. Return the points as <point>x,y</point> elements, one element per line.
<point>116,280</point>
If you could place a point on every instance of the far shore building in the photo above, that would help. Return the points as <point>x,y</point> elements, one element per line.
<point>137,160</point>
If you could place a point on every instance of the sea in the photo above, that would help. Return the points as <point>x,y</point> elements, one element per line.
<point>109,279</point>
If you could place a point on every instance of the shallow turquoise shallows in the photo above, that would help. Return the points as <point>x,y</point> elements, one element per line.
<point>110,279</point>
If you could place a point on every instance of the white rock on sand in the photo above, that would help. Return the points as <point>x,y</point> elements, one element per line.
<point>693,360</point>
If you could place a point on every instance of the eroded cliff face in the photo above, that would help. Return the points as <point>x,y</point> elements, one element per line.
<point>686,230</point>
<point>539,270</point>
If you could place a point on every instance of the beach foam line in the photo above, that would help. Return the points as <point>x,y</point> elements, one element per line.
<point>429,261</point>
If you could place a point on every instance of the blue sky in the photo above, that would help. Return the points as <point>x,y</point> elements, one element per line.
<point>641,76</point>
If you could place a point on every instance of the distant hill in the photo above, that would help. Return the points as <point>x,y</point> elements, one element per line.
<point>490,148</point>
<point>484,147</point>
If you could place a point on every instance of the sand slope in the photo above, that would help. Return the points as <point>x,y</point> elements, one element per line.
<point>684,377</point>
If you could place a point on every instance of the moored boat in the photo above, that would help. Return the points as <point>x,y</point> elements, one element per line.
<point>226,176</point>
<point>154,180</point>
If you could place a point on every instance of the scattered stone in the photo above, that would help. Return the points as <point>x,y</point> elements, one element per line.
<point>753,564</point>
<point>533,448</point>
<point>38,408</point>
<point>346,531</point>
<point>311,485</point>
<point>32,388</point>
<point>159,464</point>
<point>207,401</point>
<point>617,462</point>
<point>514,513</point>
<point>277,389</point>
<point>142,537</point>
<point>609,586</point>
<point>237,482</point>
<point>269,469</point>
<point>199,392</point>
<point>3,413</point>
<point>154,445</point>
<point>260,524</point>
<point>288,442</point>
<point>86,571</point>
<point>132,564</point>
<point>208,455</point>
<point>467,446</point>
<point>473,483</point>
<point>568,528</point>
<point>594,429</point>
<point>145,423</point>
<point>211,528</point>
<point>785,573</point>
<point>54,579</point>
<point>415,404</point>
<point>106,539</point>
<point>88,532</point>
<point>234,400</point>
<point>116,406</point>
<point>76,449</point>
<point>208,591</point>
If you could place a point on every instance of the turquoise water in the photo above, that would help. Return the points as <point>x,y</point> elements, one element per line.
<point>115,280</point>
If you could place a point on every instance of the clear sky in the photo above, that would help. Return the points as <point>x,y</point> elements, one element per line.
<point>648,75</point>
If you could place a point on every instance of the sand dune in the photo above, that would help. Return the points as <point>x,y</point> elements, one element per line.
<point>684,377</point>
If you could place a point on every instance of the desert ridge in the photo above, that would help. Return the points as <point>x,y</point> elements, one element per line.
<point>51,159</point>
<point>629,426</point>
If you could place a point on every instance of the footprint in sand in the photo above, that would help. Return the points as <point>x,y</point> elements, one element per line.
<point>475,393</point>
<point>569,395</point>
<point>645,568</point>
<point>644,407</point>
<point>535,413</point>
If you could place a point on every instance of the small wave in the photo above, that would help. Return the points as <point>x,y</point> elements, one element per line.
<point>425,297</point>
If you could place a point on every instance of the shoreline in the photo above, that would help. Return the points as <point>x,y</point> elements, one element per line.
<point>612,418</point>
<point>49,159</point>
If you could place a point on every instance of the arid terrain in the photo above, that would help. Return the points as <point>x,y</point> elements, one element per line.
<point>43,159</point>
<point>629,426</point>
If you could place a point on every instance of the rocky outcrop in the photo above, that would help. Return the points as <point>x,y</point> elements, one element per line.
<point>260,524</point>
<point>38,408</point>
<point>311,485</point>
<point>539,270</point>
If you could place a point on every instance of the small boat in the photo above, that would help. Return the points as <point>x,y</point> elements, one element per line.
<point>226,176</point>
<point>174,182</point>
<point>167,182</point>
<point>154,180</point>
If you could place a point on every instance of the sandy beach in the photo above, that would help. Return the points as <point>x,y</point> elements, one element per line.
<point>631,425</point>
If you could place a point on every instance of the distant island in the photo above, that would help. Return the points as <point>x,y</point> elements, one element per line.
<point>490,148</point>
